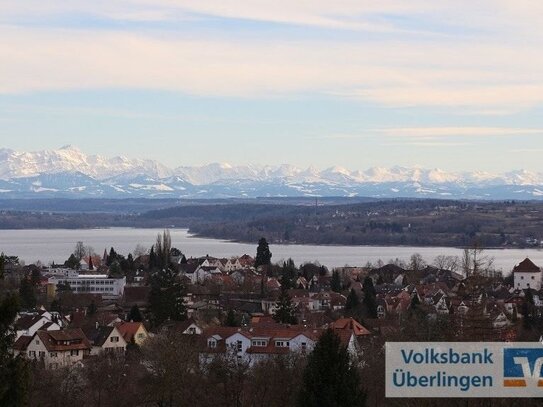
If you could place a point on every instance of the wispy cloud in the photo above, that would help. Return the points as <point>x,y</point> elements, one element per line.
<point>435,135</point>
<point>498,69</point>
<point>432,132</point>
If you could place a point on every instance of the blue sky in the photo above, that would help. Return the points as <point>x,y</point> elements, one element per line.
<point>453,85</point>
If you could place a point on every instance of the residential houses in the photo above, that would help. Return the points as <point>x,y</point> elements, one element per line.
<point>133,332</point>
<point>105,339</point>
<point>55,349</point>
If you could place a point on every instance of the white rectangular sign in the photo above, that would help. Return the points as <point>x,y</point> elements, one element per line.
<point>464,369</point>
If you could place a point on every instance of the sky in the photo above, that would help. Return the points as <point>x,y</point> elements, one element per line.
<point>450,84</point>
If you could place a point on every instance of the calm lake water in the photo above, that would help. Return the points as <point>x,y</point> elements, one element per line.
<point>56,245</point>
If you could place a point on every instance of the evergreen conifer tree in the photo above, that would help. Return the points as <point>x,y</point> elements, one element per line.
<point>231,319</point>
<point>330,378</point>
<point>14,370</point>
<point>26,294</point>
<point>166,298</point>
<point>91,309</point>
<point>263,253</point>
<point>134,315</point>
<point>370,298</point>
<point>284,311</point>
<point>352,301</point>
<point>336,282</point>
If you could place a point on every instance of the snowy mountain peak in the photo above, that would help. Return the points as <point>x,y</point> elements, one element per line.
<point>68,158</point>
<point>68,171</point>
<point>69,147</point>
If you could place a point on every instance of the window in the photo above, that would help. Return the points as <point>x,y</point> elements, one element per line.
<point>522,277</point>
<point>240,346</point>
<point>192,331</point>
<point>212,343</point>
<point>32,353</point>
<point>304,346</point>
<point>140,336</point>
<point>74,353</point>
<point>37,341</point>
<point>533,278</point>
<point>41,354</point>
<point>259,343</point>
<point>53,354</point>
<point>114,339</point>
<point>282,344</point>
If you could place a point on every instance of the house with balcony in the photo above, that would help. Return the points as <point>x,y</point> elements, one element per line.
<point>55,349</point>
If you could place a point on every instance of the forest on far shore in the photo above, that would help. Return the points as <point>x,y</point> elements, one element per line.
<point>427,222</point>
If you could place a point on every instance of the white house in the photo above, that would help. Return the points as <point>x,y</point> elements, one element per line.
<point>527,275</point>
<point>55,348</point>
<point>106,339</point>
<point>28,324</point>
<point>254,344</point>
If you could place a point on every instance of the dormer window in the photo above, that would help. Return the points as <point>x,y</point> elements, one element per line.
<point>259,343</point>
<point>212,343</point>
<point>282,344</point>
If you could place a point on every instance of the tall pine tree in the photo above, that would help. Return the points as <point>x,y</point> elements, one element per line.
<point>26,294</point>
<point>336,282</point>
<point>263,253</point>
<point>330,378</point>
<point>370,298</point>
<point>284,310</point>
<point>135,314</point>
<point>166,298</point>
<point>352,301</point>
<point>14,370</point>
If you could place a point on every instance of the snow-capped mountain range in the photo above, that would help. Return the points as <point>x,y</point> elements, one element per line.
<point>68,172</point>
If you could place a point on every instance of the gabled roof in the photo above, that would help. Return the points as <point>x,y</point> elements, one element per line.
<point>178,326</point>
<point>98,336</point>
<point>64,340</point>
<point>129,329</point>
<point>188,268</point>
<point>22,343</point>
<point>350,324</point>
<point>526,266</point>
<point>27,321</point>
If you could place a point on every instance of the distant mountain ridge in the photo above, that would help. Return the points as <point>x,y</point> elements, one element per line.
<point>68,172</point>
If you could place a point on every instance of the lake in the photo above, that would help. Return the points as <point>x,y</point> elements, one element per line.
<point>56,245</point>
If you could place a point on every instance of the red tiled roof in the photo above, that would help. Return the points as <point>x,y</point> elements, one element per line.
<point>128,329</point>
<point>56,340</point>
<point>349,324</point>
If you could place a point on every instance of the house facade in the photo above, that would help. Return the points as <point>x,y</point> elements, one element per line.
<point>527,275</point>
<point>133,331</point>
<point>106,339</point>
<point>252,345</point>
<point>57,348</point>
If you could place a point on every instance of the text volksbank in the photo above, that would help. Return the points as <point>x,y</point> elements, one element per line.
<point>466,369</point>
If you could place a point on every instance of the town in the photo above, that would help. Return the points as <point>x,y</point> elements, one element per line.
<point>170,329</point>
